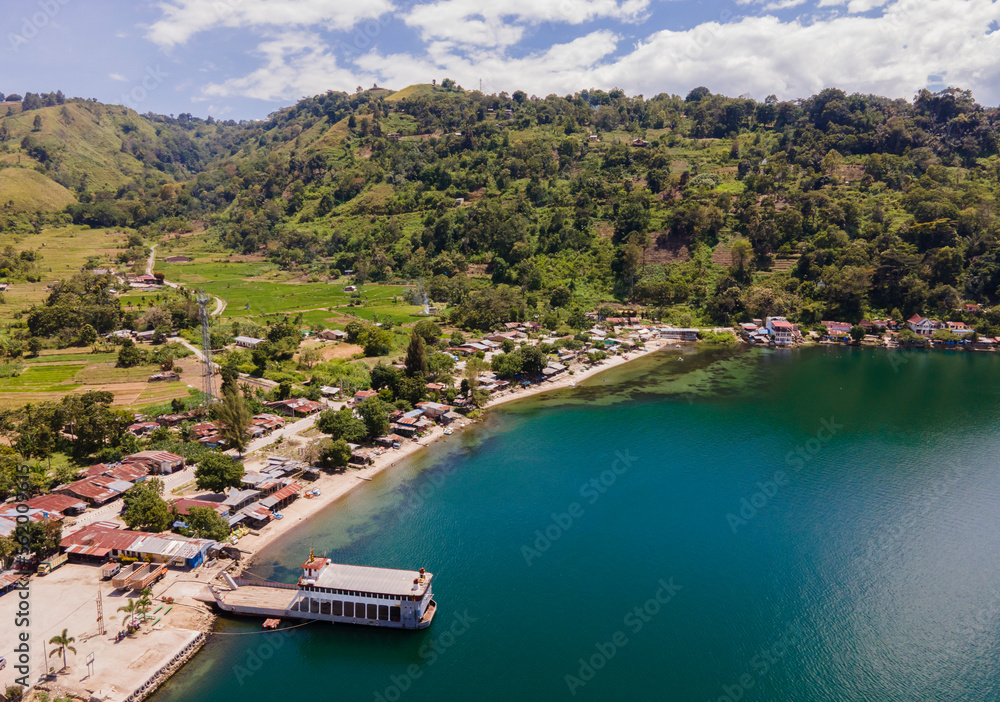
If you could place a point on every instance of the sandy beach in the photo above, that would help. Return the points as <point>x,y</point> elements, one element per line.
<point>131,669</point>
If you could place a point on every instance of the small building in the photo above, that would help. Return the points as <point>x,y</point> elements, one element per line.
<point>184,505</point>
<point>143,428</point>
<point>295,407</point>
<point>393,136</point>
<point>434,410</point>
<point>679,334</point>
<point>63,505</point>
<point>333,335</point>
<point>248,342</point>
<point>959,328</point>
<point>350,288</point>
<point>362,395</point>
<point>640,143</point>
<point>164,376</point>
<point>160,462</point>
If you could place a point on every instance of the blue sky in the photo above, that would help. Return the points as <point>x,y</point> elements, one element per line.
<point>243,59</point>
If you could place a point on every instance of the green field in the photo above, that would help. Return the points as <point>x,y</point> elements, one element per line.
<point>42,379</point>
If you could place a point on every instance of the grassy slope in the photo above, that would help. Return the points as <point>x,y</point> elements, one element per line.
<point>28,190</point>
<point>84,137</point>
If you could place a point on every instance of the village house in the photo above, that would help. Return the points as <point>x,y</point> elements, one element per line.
<point>184,505</point>
<point>143,428</point>
<point>295,407</point>
<point>332,335</point>
<point>434,410</point>
<point>959,328</point>
<point>248,342</point>
<point>362,395</point>
<point>157,462</point>
<point>781,330</point>
<point>923,325</point>
<point>99,542</point>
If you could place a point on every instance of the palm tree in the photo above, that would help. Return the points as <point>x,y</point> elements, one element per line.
<point>64,642</point>
<point>130,610</point>
<point>145,601</point>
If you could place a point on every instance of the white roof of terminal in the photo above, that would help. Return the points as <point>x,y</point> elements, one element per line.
<point>385,581</point>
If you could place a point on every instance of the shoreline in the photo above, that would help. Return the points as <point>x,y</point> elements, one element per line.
<point>337,485</point>
<point>159,650</point>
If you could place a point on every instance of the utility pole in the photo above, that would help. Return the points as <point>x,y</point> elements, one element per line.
<point>206,345</point>
<point>100,614</point>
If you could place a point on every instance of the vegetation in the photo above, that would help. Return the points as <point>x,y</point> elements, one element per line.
<point>218,471</point>
<point>205,523</point>
<point>63,642</point>
<point>145,508</point>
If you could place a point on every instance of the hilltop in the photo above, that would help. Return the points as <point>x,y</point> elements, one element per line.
<point>701,208</point>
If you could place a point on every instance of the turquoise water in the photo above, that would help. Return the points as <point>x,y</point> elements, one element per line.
<point>753,525</point>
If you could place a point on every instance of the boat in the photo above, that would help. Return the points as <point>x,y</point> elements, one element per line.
<point>337,593</point>
<point>447,432</point>
<point>278,515</point>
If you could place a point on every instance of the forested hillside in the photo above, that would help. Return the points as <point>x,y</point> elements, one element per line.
<point>697,208</point>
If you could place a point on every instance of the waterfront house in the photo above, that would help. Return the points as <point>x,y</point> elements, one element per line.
<point>959,328</point>
<point>99,542</point>
<point>781,330</point>
<point>923,325</point>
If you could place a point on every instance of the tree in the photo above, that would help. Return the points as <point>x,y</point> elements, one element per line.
<point>63,642</point>
<point>341,424</point>
<point>145,508</point>
<point>88,335</point>
<point>8,549</point>
<point>233,413</point>
<point>375,415</point>
<point>416,356</point>
<point>428,329</point>
<point>205,523</point>
<point>334,454</point>
<point>131,609</point>
<point>37,124</point>
<point>35,346</point>
<point>39,538</point>
<point>533,361</point>
<point>376,341</point>
<point>129,355</point>
<point>218,471</point>
<point>857,333</point>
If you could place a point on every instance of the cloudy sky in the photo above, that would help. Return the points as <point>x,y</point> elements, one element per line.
<point>242,59</point>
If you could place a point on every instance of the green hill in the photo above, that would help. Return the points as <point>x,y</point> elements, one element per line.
<point>27,190</point>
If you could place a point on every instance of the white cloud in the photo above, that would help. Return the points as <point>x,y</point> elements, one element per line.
<point>782,5</point>
<point>182,19</point>
<point>118,76</point>
<point>487,23</point>
<point>891,54</point>
<point>296,64</point>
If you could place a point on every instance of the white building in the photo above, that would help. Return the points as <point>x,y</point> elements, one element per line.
<point>781,330</point>
<point>248,342</point>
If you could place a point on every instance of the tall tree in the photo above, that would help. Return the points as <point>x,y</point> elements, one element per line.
<point>375,416</point>
<point>416,356</point>
<point>63,642</point>
<point>233,413</point>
